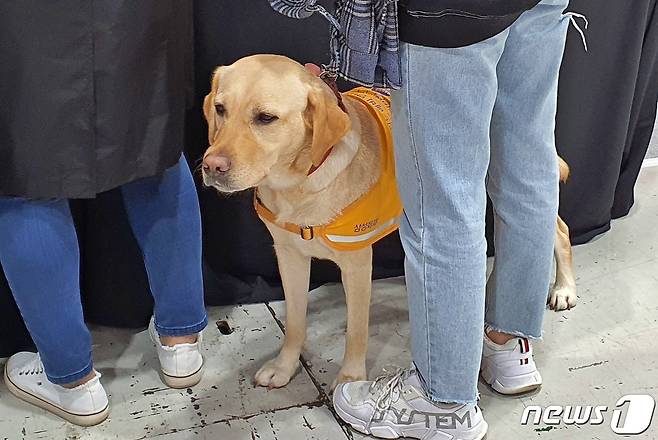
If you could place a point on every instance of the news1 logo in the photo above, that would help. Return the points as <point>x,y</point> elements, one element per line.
<point>632,414</point>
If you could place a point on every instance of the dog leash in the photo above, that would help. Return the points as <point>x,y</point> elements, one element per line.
<point>329,77</point>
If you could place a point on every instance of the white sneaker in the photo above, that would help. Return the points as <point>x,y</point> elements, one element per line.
<point>509,369</point>
<point>182,364</point>
<point>395,406</point>
<point>84,405</point>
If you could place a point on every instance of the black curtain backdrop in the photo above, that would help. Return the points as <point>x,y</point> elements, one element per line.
<point>606,111</point>
<point>607,107</point>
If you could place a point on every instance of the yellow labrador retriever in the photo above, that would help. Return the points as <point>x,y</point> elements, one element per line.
<point>270,121</point>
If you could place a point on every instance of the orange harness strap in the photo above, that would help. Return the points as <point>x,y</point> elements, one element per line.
<point>307,233</point>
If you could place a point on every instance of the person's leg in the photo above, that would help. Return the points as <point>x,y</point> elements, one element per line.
<point>523,185</point>
<point>441,121</point>
<point>40,256</point>
<point>165,218</point>
<point>523,174</point>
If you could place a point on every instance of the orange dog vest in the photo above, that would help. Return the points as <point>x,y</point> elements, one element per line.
<point>376,213</point>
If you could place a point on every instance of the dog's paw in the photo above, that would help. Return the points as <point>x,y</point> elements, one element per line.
<point>349,376</point>
<point>275,374</point>
<point>562,298</point>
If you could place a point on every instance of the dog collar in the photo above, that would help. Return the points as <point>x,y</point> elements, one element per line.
<point>330,81</point>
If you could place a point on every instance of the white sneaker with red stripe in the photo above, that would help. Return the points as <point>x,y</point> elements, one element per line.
<point>509,368</point>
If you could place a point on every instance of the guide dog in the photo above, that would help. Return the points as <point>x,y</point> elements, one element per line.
<point>312,154</point>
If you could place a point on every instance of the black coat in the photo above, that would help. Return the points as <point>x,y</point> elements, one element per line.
<point>93,93</point>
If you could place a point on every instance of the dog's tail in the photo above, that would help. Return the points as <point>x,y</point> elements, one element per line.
<point>564,169</point>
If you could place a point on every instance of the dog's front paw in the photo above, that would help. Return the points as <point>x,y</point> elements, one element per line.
<point>275,373</point>
<point>349,376</point>
<point>562,298</point>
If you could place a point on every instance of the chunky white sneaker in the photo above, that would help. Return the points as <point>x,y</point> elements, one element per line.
<point>84,405</point>
<point>395,406</point>
<point>182,364</point>
<point>509,369</point>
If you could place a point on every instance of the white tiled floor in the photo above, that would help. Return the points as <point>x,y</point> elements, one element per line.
<point>603,349</point>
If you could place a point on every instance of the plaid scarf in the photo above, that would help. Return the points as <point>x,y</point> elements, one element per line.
<point>364,38</point>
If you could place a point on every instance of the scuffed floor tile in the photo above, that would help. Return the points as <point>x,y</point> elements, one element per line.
<point>287,424</point>
<point>142,407</point>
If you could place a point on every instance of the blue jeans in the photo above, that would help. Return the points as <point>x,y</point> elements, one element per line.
<point>40,256</point>
<point>469,121</point>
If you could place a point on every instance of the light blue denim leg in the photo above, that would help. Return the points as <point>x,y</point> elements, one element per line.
<point>441,122</point>
<point>523,174</point>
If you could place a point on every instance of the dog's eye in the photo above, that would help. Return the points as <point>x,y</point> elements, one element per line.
<point>266,118</point>
<point>219,108</point>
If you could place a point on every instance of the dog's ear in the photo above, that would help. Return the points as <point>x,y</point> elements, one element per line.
<point>209,107</point>
<point>328,122</point>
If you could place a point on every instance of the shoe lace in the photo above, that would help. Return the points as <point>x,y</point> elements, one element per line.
<point>388,386</point>
<point>36,367</point>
